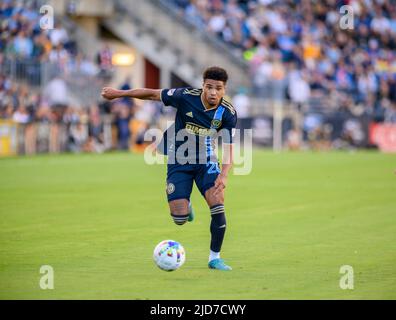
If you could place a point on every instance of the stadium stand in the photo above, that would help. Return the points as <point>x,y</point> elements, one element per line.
<point>299,49</point>
<point>331,84</point>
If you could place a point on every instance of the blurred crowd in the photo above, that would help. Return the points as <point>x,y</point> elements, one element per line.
<point>22,38</point>
<point>298,51</point>
<point>25,100</point>
<point>47,116</point>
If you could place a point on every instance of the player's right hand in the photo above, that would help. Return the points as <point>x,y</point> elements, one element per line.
<point>110,93</point>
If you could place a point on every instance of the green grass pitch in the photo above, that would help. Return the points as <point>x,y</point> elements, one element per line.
<point>292,223</point>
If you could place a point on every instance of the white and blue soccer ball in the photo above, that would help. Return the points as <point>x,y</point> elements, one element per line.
<point>169,255</point>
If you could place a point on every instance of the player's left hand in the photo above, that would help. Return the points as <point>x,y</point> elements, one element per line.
<point>220,183</point>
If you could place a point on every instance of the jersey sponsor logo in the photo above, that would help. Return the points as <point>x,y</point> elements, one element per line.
<point>215,124</point>
<point>197,130</point>
<point>171,92</point>
<point>190,114</point>
<point>170,188</point>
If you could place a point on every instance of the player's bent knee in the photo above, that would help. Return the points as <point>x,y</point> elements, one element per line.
<point>179,211</point>
<point>179,207</point>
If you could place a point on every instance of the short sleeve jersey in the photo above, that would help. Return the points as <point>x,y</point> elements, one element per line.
<point>193,119</point>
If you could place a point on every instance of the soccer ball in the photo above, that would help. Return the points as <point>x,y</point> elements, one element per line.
<point>169,255</point>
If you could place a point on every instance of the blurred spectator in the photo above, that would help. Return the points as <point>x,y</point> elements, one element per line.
<point>127,101</point>
<point>56,93</point>
<point>22,46</point>
<point>85,66</point>
<point>299,90</point>
<point>146,116</point>
<point>95,131</point>
<point>293,140</point>
<point>58,36</point>
<point>123,117</point>
<point>390,112</point>
<point>21,115</point>
<point>104,60</point>
<point>241,102</point>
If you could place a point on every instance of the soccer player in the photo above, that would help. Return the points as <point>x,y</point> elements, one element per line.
<point>202,113</point>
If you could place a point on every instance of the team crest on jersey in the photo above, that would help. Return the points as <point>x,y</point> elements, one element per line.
<point>170,188</point>
<point>216,123</point>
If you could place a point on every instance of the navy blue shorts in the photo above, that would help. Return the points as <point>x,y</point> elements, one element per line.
<point>180,179</point>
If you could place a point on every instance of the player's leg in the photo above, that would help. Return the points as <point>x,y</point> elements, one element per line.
<point>179,187</point>
<point>191,213</point>
<point>215,200</point>
<point>179,210</point>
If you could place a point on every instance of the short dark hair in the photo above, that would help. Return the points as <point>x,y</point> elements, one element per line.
<point>215,73</point>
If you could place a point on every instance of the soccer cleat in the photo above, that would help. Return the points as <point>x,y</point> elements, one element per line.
<point>219,265</point>
<point>190,213</point>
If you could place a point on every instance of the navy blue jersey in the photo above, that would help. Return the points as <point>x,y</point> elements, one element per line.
<point>200,124</point>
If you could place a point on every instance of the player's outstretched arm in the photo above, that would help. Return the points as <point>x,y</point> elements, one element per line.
<point>143,94</point>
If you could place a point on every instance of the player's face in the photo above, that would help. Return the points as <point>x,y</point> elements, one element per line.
<point>213,91</point>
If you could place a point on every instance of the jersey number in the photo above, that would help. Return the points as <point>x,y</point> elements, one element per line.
<point>214,167</point>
